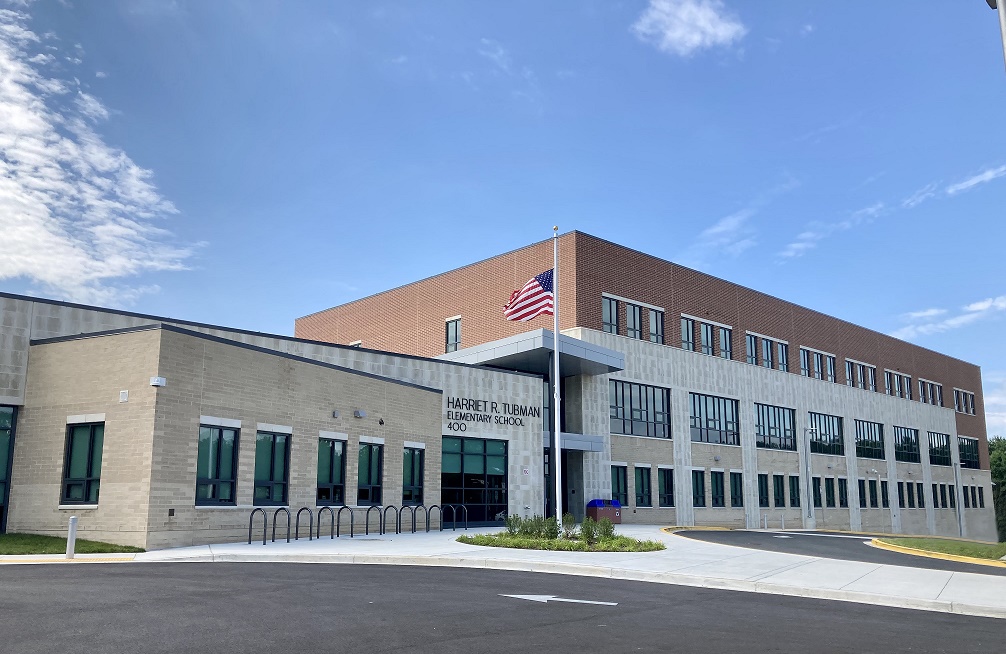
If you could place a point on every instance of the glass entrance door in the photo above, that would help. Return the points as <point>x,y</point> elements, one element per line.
<point>474,474</point>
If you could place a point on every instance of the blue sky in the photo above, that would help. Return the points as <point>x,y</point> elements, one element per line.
<point>245,163</point>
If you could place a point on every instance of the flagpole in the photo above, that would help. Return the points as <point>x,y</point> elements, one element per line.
<point>557,381</point>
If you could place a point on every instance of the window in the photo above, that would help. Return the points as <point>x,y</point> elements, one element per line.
<point>779,491</point>
<point>818,365</point>
<point>974,500</point>
<point>936,496</point>
<point>805,362</point>
<point>774,427</point>
<point>943,496</point>
<point>706,338</point>
<point>939,449</point>
<point>906,445</point>
<point>964,401</point>
<point>412,475</point>
<point>861,375</point>
<point>829,492</point>
<point>656,326</point>
<point>885,497</point>
<point>665,483</point>
<point>716,484</point>
<point>752,349</point>
<point>216,465</point>
<point>633,321</point>
<point>850,373</point>
<point>762,490</point>
<point>331,472</point>
<point>688,334</point>
<point>767,353</point>
<point>969,451</point>
<point>843,493</point>
<point>736,489</point>
<point>639,410</point>
<point>826,434</point>
<point>952,496</point>
<point>872,374</point>
<point>910,488</point>
<point>873,494</point>
<point>817,492</point>
<point>930,392</point>
<point>272,468</point>
<point>609,319</point>
<point>82,463</point>
<point>644,495</point>
<point>921,493</point>
<point>981,497</point>
<point>370,474</point>
<point>869,439</point>
<point>862,493</point>
<point>901,494</point>
<point>726,343</point>
<point>698,488</point>
<point>783,357</point>
<point>714,420</point>
<point>619,485</point>
<point>452,338</point>
<point>829,371</point>
<point>794,491</point>
<point>473,472</point>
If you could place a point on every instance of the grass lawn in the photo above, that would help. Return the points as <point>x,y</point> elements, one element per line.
<point>616,544</point>
<point>960,547</point>
<point>35,544</point>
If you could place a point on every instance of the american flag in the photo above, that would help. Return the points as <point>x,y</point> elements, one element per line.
<point>535,299</point>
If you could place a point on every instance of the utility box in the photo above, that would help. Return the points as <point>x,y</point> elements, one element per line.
<point>610,509</point>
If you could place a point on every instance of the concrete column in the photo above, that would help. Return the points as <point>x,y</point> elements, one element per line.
<point>927,480</point>
<point>681,434</point>
<point>852,468</point>
<point>749,455</point>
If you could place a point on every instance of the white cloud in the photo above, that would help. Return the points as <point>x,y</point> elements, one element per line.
<point>925,313</point>
<point>981,178</point>
<point>101,74</point>
<point>497,54</point>
<point>994,387</point>
<point>77,215</point>
<point>683,27</point>
<point>926,192</point>
<point>818,231</point>
<point>968,314</point>
<point>806,30</point>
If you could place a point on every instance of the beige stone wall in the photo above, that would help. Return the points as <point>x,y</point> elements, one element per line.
<point>84,377</point>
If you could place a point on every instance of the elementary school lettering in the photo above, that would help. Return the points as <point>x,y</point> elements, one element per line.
<point>461,410</point>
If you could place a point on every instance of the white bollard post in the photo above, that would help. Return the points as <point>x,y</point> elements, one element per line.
<point>71,537</point>
<point>783,520</point>
<point>765,520</point>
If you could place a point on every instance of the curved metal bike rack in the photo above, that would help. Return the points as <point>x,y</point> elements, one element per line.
<point>429,514</point>
<point>412,508</point>
<point>366,519</point>
<point>310,525</point>
<point>331,513</point>
<point>338,520</point>
<point>265,523</point>
<point>276,513</point>
<point>384,519</point>
<point>465,509</point>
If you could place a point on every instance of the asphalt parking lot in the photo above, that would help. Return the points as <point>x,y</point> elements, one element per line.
<point>308,608</point>
<point>834,546</point>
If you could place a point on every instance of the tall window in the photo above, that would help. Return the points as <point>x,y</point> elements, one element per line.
<point>752,349</point>
<point>452,338</point>
<point>644,494</point>
<point>850,373</point>
<point>370,474</point>
<point>774,427</point>
<point>726,343</point>
<point>706,338</point>
<point>930,392</point>
<point>816,487</point>
<point>869,439</point>
<point>82,463</point>
<point>843,493</point>
<point>665,480</point>
<point>862,493</point>
<point>656,326</point>
<point>412,475</point>
<point>619,485</point>
<point>779,491</point>
<point>906,445</point>
<point>763,490</point>
<point>804,362</point>
<point>639,410</point>
<point>784,357</point>
<point>698,488</point>
<point>272,468</point>
<point>331,472</point>
<point>7,419</point>
<point>968,451</point>
<point>633,321</point>
<point>216,465</point>
<point>688,334</point>
<point>794,491</point>
<point>939,449</point>
<point>717,488</point>
<point>872,378</point>
<point>964,401</point>
<point>768,353</point>
<point>873,494</point>
<point>830,368</point>
<point>609,315</point>
<point>736,489</point>
<point>826,434</point>
<point>714,420</point>
<point>818,365</point>
<point>829,492</point>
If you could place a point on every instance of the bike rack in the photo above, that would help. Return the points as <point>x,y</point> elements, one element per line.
<point>265,524</point>
<point>413,510</point>
<point>276,513</point>
<point>454,517</point>
<point>366,519</point>
<point>310,525</point>
<point>331,513</point>
<point>338,521</point>
<point>384,519</point>
<point>429,513</point>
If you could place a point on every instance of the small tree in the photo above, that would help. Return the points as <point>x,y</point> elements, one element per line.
<point>588,530</point>
<point>568,525</point>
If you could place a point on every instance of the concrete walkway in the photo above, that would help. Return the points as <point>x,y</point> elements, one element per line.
<point>684,562</point>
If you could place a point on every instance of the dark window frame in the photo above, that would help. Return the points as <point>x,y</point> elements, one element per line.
<point>336,491</point>
<point>270,484</point>
<point>370,488</point>
<point>816,491</point>
<point>620,484</point>
<point>726,342</point>
<point>939,449</point>
<point>843,493</point>
<point>609,322</point>
<point>644,489</point>
<point>665,487</point>
<point>699,489</point>
<point>215,481</point>
<point>828,437</point>
<point>717,428</point>
<point>736,489</point>
<point>779,491</point>
<point>906,445</point>
<point>751,349</point>
<point>90,482</point>
<point>452,335</point>
<point>870,440</point>
<point>651,418</point>
<point>717,488</point>
<point>687,334</point>
<point>968,450</point>
<point>775,427</point>
<point>412,493</point>
<point>633,321</point>
<point>656,326</point>
<point>763,496</point>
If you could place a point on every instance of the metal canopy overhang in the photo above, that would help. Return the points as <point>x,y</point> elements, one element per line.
<point>580,442</point>
<point>531,352</point>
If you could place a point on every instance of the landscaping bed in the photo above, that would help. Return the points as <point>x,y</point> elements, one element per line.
<point>538,533</point>
<point>974,549</point>
<point>36,544</point>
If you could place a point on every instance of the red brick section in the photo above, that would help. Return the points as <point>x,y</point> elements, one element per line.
<point>410,319</point>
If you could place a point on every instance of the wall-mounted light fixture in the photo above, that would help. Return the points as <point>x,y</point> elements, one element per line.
<point>359,413</point>
<point>335,413</point>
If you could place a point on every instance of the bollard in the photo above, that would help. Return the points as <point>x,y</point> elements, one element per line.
<point>783,519</point>
<point>765,520</point>
<point>71,537</point>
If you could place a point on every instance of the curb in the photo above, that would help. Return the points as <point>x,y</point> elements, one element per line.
<point>675,529</point>
<point>879,544</point>
<point>20,559</point>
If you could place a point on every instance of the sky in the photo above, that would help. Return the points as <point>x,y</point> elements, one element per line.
<point>247,163</point>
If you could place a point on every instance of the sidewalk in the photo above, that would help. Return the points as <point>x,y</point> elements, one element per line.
<point>684,562</point>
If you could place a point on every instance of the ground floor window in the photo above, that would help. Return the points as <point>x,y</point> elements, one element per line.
<point>370,474</point>
<point>473,473</point>
<point>779,491</point>
<point>763,490</point>
<point>794,490</point>
<point>698,488</point>
<point>829,492</point>
<point>736,489</point>
<point>331,472</point>
<point>272,468</point>
<point>643,495</point>
<point>717,486</point>
<point>216,465</point>
<point>619,485</point>
<point>873,494</point>
<point>862,493</point>
<point>82,465</point>
<point>412,475</point>
<point>843,493</point>
<point>817,492</point>
<point>665,481</point>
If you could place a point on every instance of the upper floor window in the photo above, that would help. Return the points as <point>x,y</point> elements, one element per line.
<point>726,343</point>
<point>706,338</point>
<point>752,349</point>
<point>714,420</point>
<point>768,353</point>
<point>897,384</point>
<point>688,334</point>
<point>272,468</point>
<point>639,410</point>
<point>82,463</point>
<point>964,401</point>
<point>784,357</point>
<point>656,326</point>
<point>216,465</point>
<point>633,321</point>
<point>869,439</point>
<point>906,445</point>
<point>805,362</point>
<point>860,375</point>
<point>774,426</point>
<point>452,335</point>
<point>930,392</point>
<point>826,434</point>
<point>830,369</point>
<point>818,365</point>
<point>939,449</point>
<point>609,319</point>
<point>969,451</point>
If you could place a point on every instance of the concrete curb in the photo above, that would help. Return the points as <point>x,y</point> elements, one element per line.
<point>879,544</point>
<point>28,559</point>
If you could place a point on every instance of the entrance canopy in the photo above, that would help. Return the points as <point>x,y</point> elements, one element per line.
<point>531,351</point>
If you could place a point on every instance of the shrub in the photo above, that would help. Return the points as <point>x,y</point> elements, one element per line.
<point>568,525</point>
<point>588,530</point>
<point>513,524</point>
<point>605,529</point>
<point>551,528</point>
